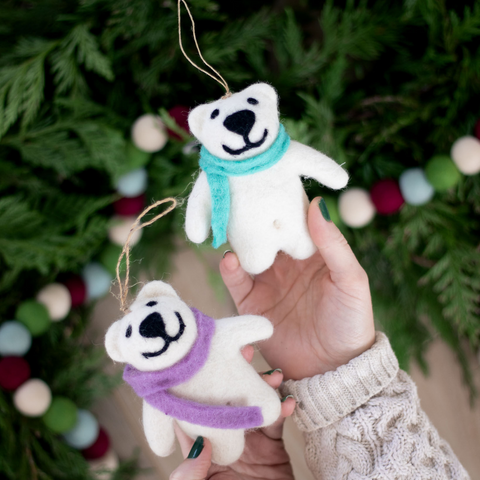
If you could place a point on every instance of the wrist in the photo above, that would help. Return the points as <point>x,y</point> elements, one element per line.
<point>340,358</point>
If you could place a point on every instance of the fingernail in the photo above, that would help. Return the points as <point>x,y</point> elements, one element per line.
<point>225,252</point>
<point>272,371</point>
<point>197,448</point>
<point>285,398</point>
<point>323,208</point>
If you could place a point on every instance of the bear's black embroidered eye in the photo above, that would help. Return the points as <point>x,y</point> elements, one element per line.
<point>215,113</point>
<point>128,333</point>
<point>151,304</point>
<point>252,101</point>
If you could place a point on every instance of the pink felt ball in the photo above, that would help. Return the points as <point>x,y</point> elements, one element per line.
<point>129,206</point>
<point>477,129</point>
<point>387,197</point>
<point>78,290</point>
<point>180,114</point>
<point>14,371</point>
<point>99,448</point>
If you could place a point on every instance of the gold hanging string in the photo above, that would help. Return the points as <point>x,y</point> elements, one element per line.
<point>126,248</point>
<point>220,79</point>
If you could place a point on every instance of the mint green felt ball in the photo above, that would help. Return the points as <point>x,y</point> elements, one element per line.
<point>136,158</point>
<point>34,315</point>
<point>333,209</point>
<point>109,258</point>
<point>442,173</point>
<point>61,416</point>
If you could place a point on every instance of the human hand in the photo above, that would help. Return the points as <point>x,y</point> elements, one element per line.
<point>321,307</point>
<point>264,455</point>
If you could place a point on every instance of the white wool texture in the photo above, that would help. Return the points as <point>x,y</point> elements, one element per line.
<point>268,209</point>
<point>363,421</point>
<point>225,379</point>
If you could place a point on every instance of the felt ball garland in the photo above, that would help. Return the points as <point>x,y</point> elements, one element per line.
<point>357,207</point>
<point>149,134</point>
<point>14,371</point>
<point>56,299</point>
<point>15,339</point>
<point>32,397</point>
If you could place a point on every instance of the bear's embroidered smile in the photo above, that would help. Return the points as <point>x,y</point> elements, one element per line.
<point>248,144</point>
<point>153,327</point>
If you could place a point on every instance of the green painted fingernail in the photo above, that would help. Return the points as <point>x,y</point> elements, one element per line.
<point>272,371</point>
<point>323,208</point>
<point>288,396</point>
<point>197,448</point>
<point>225,252</point>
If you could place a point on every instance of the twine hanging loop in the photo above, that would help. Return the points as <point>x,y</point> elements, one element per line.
<point>126,248</point>
<point>218,78</point>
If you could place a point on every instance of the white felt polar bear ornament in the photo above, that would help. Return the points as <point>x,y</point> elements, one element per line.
<point>250,188</point>
<point>188,368</point>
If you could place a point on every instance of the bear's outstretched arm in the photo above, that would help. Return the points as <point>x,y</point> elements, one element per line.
<point>240,331</point>
<point>199,211</point>
<point>158,430</point>
<point>311,163</point>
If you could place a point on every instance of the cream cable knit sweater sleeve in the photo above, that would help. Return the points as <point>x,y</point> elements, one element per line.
<point>364,421</point>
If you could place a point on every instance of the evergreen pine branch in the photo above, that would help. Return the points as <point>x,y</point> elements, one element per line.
<point>21,85</point>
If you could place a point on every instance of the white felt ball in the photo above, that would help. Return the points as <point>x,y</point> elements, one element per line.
<point>415,188</point>
<point>104,467</point>
<point>466,155</point>
<point>133,183</point>
<point>85,431</point>
<point>118,232</point>
<point>15,339</point>
<point>148,133</point>
<point>32,398</point>
<point>57,299</point>
<point>355,207</point>
<point>97,280</point>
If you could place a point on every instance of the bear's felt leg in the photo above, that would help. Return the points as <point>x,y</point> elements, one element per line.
<point>255,257</point>
<point>227,446</point>
<point>302,247</point>
<point>158,430</point>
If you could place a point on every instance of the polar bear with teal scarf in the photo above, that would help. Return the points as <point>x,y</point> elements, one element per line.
<point>249,190</point>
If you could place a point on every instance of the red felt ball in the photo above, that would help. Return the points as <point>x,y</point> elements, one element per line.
<point>14,371</point>
<point>387,197</point>
<point>77,288</point>
<point>180,114</point>
<point>477,129</point>
<point>99,448</point>
<point>129,206</point>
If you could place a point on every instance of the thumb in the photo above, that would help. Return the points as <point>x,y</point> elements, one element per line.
<point>195,468</point>
<point>332,245</point>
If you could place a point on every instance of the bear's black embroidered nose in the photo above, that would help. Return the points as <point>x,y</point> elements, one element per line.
<point>153,326</point>
<point>240,122</point>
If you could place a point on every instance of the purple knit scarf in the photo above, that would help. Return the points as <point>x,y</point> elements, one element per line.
<point>153,387</point>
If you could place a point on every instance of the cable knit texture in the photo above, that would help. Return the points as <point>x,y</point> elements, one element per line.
<point>364,421</point>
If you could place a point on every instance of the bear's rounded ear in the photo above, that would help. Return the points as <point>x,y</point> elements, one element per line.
<point>263,89</point>
<point>155,289</point>
<point>111,343</point>
<point>196,119</point>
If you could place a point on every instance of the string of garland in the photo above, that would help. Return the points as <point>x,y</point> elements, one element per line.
<point>357,207</point>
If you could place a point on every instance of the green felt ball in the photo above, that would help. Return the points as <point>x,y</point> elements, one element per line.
<point>136,158</point>
<point>333,209</point>
<point>442,173</point>
<point>109,258</point>
<point>61,416</point>
<point>34,315</point>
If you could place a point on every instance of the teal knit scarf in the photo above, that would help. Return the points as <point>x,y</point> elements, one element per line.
<point>218,171</point>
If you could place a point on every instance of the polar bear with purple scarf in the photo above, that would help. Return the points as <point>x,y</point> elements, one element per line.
<point>189,369</point>
<point>249,190</point>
